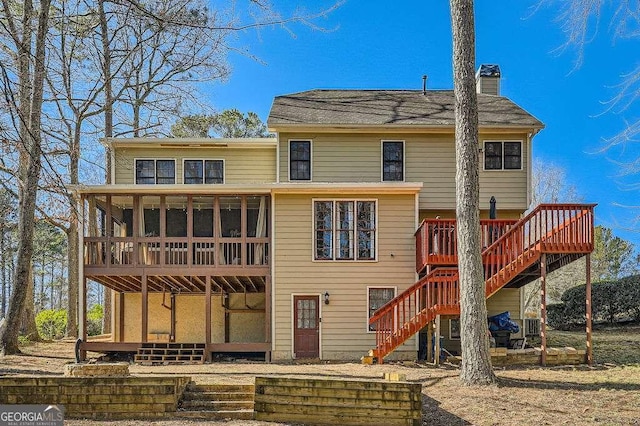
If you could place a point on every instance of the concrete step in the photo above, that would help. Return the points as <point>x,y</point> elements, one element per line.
<point>216,415</point>
<point>191,405</point>
<point>217,396</point>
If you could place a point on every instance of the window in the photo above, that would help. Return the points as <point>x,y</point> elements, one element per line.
<point>344,230</point>
<point>203,171</point>
<point>299,160</point>
<point>503,155</point>
<point>392,161</point>
<point>454,328</point>
<point>377,298</point>
<point>155,171</point>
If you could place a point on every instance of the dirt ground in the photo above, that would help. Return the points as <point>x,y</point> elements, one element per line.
<point>605,394</point>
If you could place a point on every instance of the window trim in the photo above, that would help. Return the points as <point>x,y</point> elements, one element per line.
<point>224,170</point>
<point>395,294</point>
<point>155,170</point>
<point>310,160</point>
<point>333,231</point>
<point>502,169</point>
<point>404,160</point>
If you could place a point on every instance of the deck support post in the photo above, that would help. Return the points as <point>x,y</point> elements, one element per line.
<point>543,309</point>
<point>267,309</point>
<point>207,318</point>
<point>436,355</point>
<point>588,313</point>
<point>145,309</point>
<point>121,316</point>
<point>83,315</point>
<point>430,342</point>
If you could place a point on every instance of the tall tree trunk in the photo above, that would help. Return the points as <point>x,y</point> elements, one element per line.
<point>29,328</point>
<point>3,267</point>
<point>108,133</point>
<point>30,163</point>
<point>72,236</point>
<point>476,361</point>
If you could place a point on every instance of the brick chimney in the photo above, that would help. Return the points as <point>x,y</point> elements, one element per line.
<point>488,80</point>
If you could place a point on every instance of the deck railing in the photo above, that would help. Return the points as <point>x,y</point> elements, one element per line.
<point>155,251</point>
<point>437,242</point>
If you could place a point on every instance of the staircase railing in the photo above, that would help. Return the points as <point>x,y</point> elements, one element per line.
<point>408,312</point>
<point>549,228</point>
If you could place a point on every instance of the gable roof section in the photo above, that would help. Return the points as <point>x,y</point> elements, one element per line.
<point>398,108</point>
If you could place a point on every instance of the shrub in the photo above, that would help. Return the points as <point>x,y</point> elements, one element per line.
<point>52,323</point>
<point>611,301</point>
<point>94,320</point>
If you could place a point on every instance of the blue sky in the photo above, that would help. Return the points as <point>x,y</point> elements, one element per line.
<point>381,44</point>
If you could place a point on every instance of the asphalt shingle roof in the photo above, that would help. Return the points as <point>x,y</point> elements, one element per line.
<point>390,107</point>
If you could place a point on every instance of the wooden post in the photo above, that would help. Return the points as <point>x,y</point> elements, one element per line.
<point>588,306</point>
<point>436,355</point>
<point>145,308</point>
<point>430,341</point>
<point>267,309</point>
<point>207,317</point>
<point>121,316</point>
<point>83,316</point>
<point>543,309</point>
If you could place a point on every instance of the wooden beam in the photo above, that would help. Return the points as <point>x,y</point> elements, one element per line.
<point>430,342</point>
<point>589,313</point>
<point>163,229</point>
<point>207,316</point>
<point>543,309</point>
<point>145,308</point>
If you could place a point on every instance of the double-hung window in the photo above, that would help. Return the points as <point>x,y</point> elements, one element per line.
<point>392,161</point>
<point>503,155</point>
<point>344,230</point>
<point>203,171</point>
<point>155,171</point>
<point>377,298</point>
<point>299,160</point>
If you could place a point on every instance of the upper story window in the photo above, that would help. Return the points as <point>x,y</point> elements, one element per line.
<point>344,230</point>
<point>203,171</point>
<point>155,171</point>
<point>392,161</point>
<point>503,155</point>
<point>299,160</point>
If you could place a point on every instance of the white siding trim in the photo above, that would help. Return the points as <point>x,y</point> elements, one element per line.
<point>273,272</point>
<point>395,294</point>
<point>404,160</point>
<point>278,158</point>
<point>529,169</point>
<point>310,159</point>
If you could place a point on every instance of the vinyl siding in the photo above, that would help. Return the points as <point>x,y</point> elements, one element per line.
<point>429,158</point>
<point>242,165</point>
<point>344,321</point>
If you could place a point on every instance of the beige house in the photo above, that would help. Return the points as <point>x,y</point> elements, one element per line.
<point>288,246</point>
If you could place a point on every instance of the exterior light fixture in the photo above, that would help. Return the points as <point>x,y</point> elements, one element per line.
<point>326,297</point>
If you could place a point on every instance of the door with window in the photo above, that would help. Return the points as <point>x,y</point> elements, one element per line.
<point>306,327</point>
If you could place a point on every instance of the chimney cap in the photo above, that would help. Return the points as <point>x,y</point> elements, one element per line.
<point>488,70</point>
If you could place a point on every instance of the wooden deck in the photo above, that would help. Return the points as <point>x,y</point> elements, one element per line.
<point>512,256</point>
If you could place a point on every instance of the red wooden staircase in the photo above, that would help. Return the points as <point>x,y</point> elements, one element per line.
<point>511,258</point>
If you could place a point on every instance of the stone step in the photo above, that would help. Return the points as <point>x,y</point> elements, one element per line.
<point>192,405</point>
<point>198,387</point>
<point>217,396</point>
<point>216,415</point>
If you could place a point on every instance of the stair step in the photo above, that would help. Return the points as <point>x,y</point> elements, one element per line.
<point>241,388</point>
<point>217,396</point>
<point>217,405</point>
<point>217,415</point>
